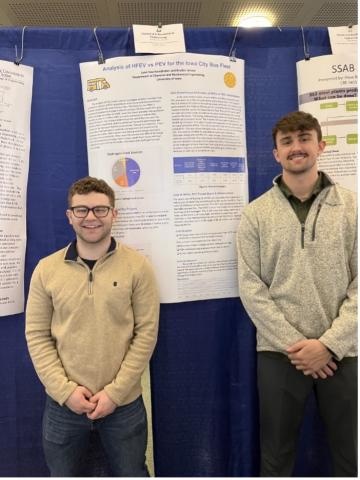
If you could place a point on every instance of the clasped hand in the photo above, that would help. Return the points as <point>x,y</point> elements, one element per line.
<point>312,357</point>
<point>94,406</point>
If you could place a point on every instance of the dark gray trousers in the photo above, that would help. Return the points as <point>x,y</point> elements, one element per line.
<point>283,392</point>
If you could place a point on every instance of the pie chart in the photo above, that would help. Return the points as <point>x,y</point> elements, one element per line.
<point>126,172</point>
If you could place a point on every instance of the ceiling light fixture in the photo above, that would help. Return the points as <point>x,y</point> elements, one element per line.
<point>251,21</point>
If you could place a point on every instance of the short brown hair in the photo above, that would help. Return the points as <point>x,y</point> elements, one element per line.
<point>294,121</point>
<point>88,185</point>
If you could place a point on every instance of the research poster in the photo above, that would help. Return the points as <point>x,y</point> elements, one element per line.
<point>167,132</point>
<point>15,108</point>
<point>327,88</point>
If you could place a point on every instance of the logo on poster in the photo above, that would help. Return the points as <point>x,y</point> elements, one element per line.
<point>230,79</point>
<point>97,84</point>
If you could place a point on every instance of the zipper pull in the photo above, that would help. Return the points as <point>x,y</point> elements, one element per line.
<point>90,282</point>
<point>302,235</point>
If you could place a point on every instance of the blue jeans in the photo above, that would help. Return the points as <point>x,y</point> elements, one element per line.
<point>123,435</point>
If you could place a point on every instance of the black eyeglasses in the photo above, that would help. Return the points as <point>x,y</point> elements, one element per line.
<point>81,211</point>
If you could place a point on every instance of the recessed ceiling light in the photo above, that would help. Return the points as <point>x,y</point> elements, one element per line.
<point>251,21</point>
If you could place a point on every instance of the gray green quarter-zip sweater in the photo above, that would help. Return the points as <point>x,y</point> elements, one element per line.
<point>296,280</point>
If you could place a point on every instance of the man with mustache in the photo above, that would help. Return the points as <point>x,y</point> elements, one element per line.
<point>297,267</point>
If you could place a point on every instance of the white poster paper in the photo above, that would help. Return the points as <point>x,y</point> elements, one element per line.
<point>343,39</point>
<point>168,134</point>
<point>159,39</point>
<point>15,108</point>
<point>327,88</point>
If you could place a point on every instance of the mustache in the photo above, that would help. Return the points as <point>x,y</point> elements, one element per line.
<point>296,154</point>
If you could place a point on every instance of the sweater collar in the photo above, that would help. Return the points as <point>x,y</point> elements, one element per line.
<point>321,182</point>
<point>325,180</point>
<point>72,254</point>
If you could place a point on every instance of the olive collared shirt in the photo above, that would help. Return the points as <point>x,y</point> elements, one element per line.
<point>302,208</point>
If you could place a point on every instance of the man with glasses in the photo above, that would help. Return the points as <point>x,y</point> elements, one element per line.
<point>91,327</point>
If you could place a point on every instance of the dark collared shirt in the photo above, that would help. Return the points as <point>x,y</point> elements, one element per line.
<point>302,208</point>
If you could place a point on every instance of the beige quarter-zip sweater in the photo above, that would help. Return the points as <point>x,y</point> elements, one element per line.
<point>93,328</point>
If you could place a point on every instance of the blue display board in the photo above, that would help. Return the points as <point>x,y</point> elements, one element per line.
<point>204,367</point>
